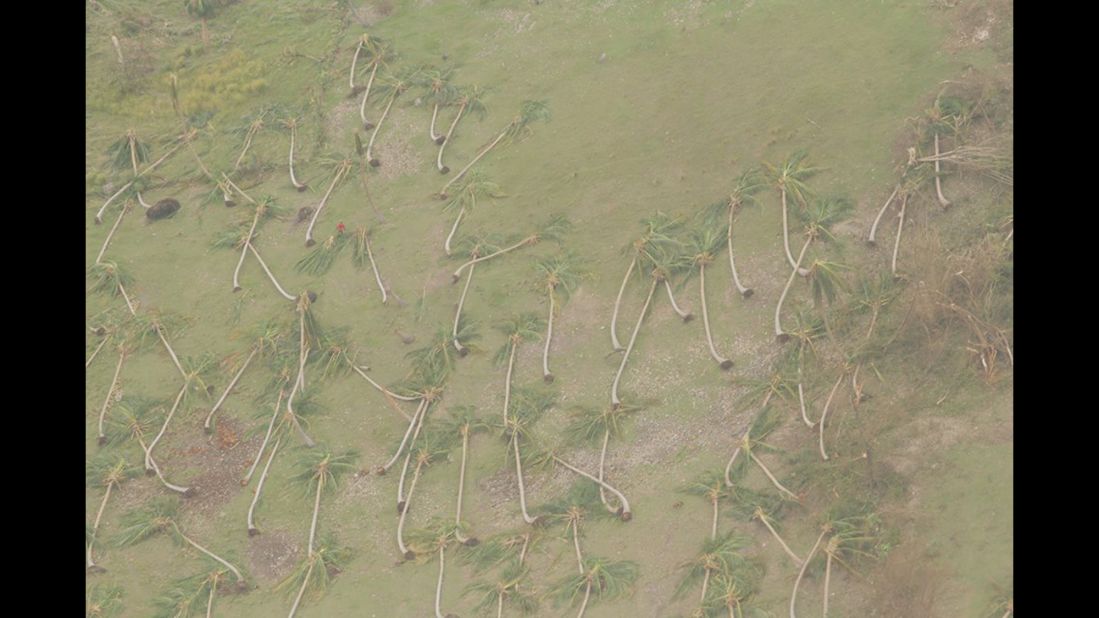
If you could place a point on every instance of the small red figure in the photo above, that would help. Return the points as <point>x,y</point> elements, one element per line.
<point>340,228</point>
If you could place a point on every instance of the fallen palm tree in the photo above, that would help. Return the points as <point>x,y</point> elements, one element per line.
<point>516,130</point>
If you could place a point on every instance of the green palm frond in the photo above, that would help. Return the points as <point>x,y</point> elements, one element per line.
<point>145,522</point>
<point>320,260</point>
<point>529,112</point>
<point>520,328</point>
<point>102,601</point>
<point>820,215</point>
<point>322,466</point>
<point>589,424</point>
<point>791,174</point>
<point>317,570</point>
<point>721,555</point>
<point>475,185</point>
<point>610,579</point>
<point>560,275</point>
<point>106,276</point>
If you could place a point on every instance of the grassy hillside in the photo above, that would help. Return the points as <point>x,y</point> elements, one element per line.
<point>655,106</point>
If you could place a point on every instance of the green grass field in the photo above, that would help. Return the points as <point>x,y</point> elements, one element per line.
<point>687,96</point>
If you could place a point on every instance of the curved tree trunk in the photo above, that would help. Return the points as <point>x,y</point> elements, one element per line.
<point>713,524</point>
<point>244,252</point>
<point>824,415</point>
<point>685,315</point>
<point>367,125</point>
<point>618,303</point>
<point>453,229</point>
<point>293,180</point>
<point>266,438</point>
<point>507,380</point>
<point>370,145</point>
<point>602,461</point>
<point>164,427</point>
<point>252,530</point>
<point>355,61</point>
<point>383,389</point>
<point>294,417</point>
<point>874,228</point>
<point>374,267</point>
<point>316,511</point>
<point>584,604</point>
<point>644,309</point>
<point>209,553</point>
<point>186,491</point>
<point>500,606</point>
<point>209,417</point>
<point>110,235</point>
<point>827,581</point>
<point>408,432</point>
<point>408,554</point>
<point>401,501</point>
<point>745,292</point>
<point>126,297</point>
<point>439,584</point>
<point>774,481</point>
<point>485,151</point>
<point>801,400</point>
<point>171,352</point>
<point>801,573</point>
<point>789,552</point>
<point>99,347</point>
<point>461,487</point>
<point>95,528</point>
<point>945,203</point>
<point>247,145</point>
<point>271,276</point>
<point>781,335</point>
<point>301,591</point>
<point>456,275</point>
<point>519,475</point>
<point>729,467</point>
<point>546,375</point>
<point>626,513</point>
<point>723,362</point>
<point>435,138</point>
<point>110,393</point>
<point>900,227</point>
<point>462,350</point>
<point>576,545</point>
<point>446,140</point>
<point>309,242</point>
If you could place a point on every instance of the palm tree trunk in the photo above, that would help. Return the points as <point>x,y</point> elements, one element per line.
<point>500,606</point>
<point>713,524</point>
<point>827,581</point>
<point>945,203</point>
<point>141,200</point>
<point>729,467</point>
<point>164,427</point>
<point>439,584</point>
<point>446,140</point>
<point>126,297</point>
<point>485,151</point>
<point>519,474</point>
<point>644,309</point>
<point>507,380</point>
<point>186,491</point>
<point>309,242</point>
<point>301,591</point>
<point>247,145</point>
<point>584,604</point>
<point>723,362</point>
<point>293,180</point>
<point>523,550</point>
<point>374,267</point>
<point>461,488</point>
<point>576,545</point>
<point>434,138</point>
<point>316,511</point>
<point>824,415</point>
<point>618,303</point>
<point>456,275</point>
<point>782,336</point>
<point>801,400</point>
<point>209,553</point>
<point>370,145</point>
<point>546,375</point>
<point>745,292</point>
<point>874,228</point>
<point>367,125</point>
<point>99,347</point>
<point>171,352</point>
<point>294,417</point>
<point>266,438</point>
<point>462,350</point>
<point>602,461</point>
<point>95,527</point>
<point>786,232</point>
<point>228,389</point>
<point>110,235</point>
<point>252,530</point>
<point>110,392</point>
<point>271,276</point>
<point>408,555</point>
<point>900,227</point>
<point>198,159</point>
<point>446,245</point>
<point>210,599</point>
<point>774,533</point>
<point>774,481</point>
<point>383,389</point>
<point>401,501</point>
<point>154,165</point>
<point>626,514</point>
<point>685,315</point>
<point>354,61</point>
<point>244,252</point>
<point>801,573</point>
<point>705,585</point>
<point>408,432</point>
